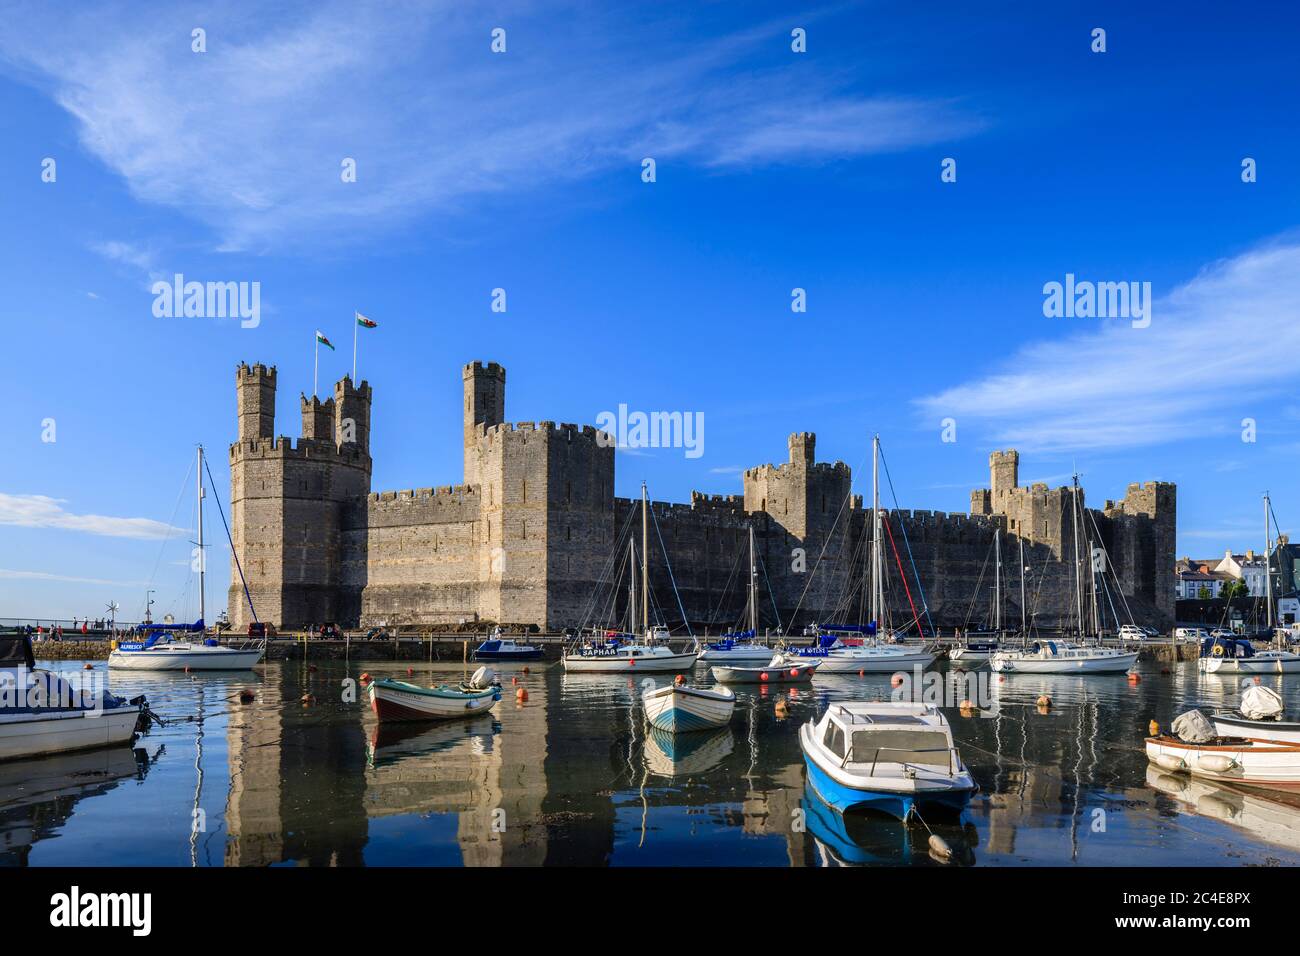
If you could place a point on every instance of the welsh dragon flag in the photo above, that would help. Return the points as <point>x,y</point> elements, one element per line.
<point>320,337</point>
<point>366,323</point>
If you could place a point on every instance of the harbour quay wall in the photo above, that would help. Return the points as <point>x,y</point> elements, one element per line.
<point>71,650</point>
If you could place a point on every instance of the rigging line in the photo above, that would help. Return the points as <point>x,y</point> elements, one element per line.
<point>920,590</point>
<point>817,564</point>
<point>672,579</point>
<point>916,618</point>
<point>770,596</point>
<point>221,511</point>
<point>979,585</point>
<point>1118,587</point>
<point>171,522</point>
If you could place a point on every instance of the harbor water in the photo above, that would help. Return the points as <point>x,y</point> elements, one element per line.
<point>303,775</point>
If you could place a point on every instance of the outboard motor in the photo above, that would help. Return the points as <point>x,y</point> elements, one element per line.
<point>485,677</point>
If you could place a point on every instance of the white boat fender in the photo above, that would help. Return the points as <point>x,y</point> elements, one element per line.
<point>940,848</point>
<point>1216,763</point>
<point>1171,762</point>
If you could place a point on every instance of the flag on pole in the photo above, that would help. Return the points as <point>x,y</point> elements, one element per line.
<point>320,337</point>
<point>365,323</point>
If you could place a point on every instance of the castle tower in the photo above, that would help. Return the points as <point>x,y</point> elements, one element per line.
<point>317,418</point>
<point>1004,474</point>
<point>288,504</point>
<point>803,449</point>
<point>485,406</point>
<point>255,395</point>
<point>352,415</point>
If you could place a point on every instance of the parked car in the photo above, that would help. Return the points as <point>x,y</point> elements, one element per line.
<point>1191,634</point>
<point>261,629</point>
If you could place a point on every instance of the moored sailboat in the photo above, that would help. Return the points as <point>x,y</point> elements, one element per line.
<point>161,650</point>
<point>623,652</point>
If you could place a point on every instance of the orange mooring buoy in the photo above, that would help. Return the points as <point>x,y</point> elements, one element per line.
<point>308,700</point>
<point>763,676</point>
<point>1154,729</point>
<point>1134,678</point>
<point>679,680</point>
<point>365,677</point>
<point>861,672</point>
<point>89,667</point>
<point>521,695</point>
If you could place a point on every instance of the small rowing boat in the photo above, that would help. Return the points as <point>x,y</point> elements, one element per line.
<point>400,700</point>
<point>676,707</point>
<point>781,669</point>
<point>1249,763</point>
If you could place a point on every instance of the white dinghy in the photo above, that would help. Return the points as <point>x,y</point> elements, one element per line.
<point>781,669</point>
<point>1258,718</point>
<point>676,707</point>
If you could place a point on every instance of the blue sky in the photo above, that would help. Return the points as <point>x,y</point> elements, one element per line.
<point>522,171</point>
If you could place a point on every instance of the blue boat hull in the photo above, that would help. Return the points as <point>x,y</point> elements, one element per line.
<point>847,799</point>
<point>675,720</point>
<point>507,655</point>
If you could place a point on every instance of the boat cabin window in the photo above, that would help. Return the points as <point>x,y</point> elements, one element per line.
<point>834,739</point>
<point>900,746</point>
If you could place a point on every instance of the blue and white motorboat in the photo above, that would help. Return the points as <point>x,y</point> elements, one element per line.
<point>41,713</point>
<point>676,707</point>
<point>500,648</point>
<point>893,756</point>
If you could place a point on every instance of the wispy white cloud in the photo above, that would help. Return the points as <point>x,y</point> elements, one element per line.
<point>41,511</point>
<point>136,258</point>
<point>13,575</point>
<point>1215,352</point>
<point>249,136</point>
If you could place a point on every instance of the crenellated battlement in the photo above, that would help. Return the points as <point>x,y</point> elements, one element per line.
<point>528,533</point>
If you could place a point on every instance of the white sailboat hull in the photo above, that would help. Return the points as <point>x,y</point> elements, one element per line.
<point>882,661</point>
<point>1265,662</point>
<point>37,734</point>
<point>621,664</point>
<point>1006,663</point>
<point>178,657</point>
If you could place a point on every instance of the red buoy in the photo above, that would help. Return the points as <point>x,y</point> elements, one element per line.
<point>763,676</point>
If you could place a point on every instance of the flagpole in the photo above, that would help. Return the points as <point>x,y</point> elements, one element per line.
<point>355,322</point>
<point>315,373</point>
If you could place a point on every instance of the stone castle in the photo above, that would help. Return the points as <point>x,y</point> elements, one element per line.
<point>530,535</point>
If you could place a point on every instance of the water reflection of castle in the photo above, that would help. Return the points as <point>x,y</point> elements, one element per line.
<point>306,789</point>
<point>310,787</point>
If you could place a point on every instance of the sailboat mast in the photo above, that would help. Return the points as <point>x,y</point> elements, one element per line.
<point>1268,567</point>
<point>645,562</point>
<point>753,585</point>
<point>997,579</point>
<point>1023,628</point>
<point>631,589</point>
<point>1078,566</point>
<point>203,558</point>
<point>875,533</point>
